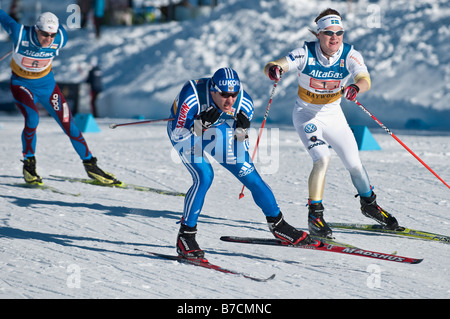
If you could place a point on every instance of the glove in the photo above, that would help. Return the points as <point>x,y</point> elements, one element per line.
<point>242,120</point>
<point>242,125</point>
<point>205,120</point>
<point>350,92</point>
<point>275,72</point>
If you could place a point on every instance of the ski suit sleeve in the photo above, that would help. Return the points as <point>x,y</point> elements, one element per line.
<point>184,110</point>
<point>247,105</point>
<point>63,33</point>
<point>357,67</point>
<point>281,62</point>
<point>294,60</point>
<point>10,25</point>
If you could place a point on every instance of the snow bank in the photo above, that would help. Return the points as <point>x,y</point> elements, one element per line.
<point>405,45</point>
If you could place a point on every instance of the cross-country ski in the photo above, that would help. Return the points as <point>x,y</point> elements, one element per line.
<point>122,185</point>
<point>205,264</point>
<point>321,246</point>
<point>400,231</point>
<point>46,187</point>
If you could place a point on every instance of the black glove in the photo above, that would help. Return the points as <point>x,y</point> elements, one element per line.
<point>242,120</point>
<point>242,125</point>
<point>207,118</point>
<point>275,72</point>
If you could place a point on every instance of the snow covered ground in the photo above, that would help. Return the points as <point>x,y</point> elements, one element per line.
<point>59,246</point>
<point>405,44</point>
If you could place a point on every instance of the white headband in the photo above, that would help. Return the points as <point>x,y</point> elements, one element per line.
<point>328,21</point>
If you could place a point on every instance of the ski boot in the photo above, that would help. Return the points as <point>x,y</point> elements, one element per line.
<point>187,246</point>
<point>316,223</point>
<point>370,208</point>
<point>29,171</point>
<point>98,174</point>
<point>282,230</point>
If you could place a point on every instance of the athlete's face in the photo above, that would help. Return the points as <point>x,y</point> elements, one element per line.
<point>44,38</point>
<point>224,100</point>
<point>330,44</point>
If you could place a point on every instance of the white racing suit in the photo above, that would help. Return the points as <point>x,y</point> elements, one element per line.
<point>318,117</point>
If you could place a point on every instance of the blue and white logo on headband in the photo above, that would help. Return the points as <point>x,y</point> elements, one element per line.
<point>328,21</point>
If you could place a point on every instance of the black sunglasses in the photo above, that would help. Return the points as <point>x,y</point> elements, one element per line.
<point>226,95</point>
<point>45,34</point>
<point>331,33</point>
<point>223,94</point>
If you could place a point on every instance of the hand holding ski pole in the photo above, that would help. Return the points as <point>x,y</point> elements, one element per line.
<point>398,140</point>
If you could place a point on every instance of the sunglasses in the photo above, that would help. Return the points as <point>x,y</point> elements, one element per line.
<point>330,33</point>
<point>223,94</point>
<point>46,35</point>
<point>226,95</point>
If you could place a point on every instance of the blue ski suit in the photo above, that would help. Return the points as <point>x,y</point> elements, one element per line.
<point>219,142</point>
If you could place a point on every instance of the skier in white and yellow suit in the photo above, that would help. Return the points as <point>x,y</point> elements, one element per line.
<point>324,68</point>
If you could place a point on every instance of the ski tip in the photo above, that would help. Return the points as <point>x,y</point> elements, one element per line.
<point>259,279</point>
<point>267,279</point>
<point>112,126</point>
<point>241,195</point>
<point>226,238</point>
<point>417,261</point>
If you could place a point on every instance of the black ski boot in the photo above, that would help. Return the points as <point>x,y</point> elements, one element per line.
<point>370,208</point>
<point>282,230</point>
<point>316,223</point>
<point>29,171</point>
<point>98,174</point>
<point>187,246</point>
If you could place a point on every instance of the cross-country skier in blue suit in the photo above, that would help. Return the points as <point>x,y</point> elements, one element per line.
<point>213,115</point>
<point>32,81</point>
